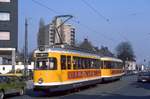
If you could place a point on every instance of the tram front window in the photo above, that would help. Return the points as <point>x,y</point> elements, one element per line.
<point>46,64</point>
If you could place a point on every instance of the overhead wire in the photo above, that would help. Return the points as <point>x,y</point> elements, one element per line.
<point>93,30</point>
<point>95,10</point>
<point>41,4</point>
<point>101,16</point>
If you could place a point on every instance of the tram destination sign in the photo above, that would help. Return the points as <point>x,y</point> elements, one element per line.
<point>41,54</point>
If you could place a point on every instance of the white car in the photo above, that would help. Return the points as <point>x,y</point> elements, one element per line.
<point>144,77</point>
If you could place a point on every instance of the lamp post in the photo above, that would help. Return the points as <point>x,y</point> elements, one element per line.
<point>26,49</point>
<point>144,64</point>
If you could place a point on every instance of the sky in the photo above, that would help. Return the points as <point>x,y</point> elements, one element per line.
<point>129,20</point>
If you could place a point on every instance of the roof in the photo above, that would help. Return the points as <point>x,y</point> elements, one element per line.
<point>111,59</point>
<point>67,51</point>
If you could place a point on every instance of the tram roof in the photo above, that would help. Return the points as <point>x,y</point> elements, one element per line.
<point>110,59</point>
<point>68,51</point>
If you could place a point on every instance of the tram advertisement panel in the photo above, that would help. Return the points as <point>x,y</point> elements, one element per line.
<point>83,74</point>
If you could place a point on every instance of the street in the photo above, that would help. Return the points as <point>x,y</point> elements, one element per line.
<point>126,88</point>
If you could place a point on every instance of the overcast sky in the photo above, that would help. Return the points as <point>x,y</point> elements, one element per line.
<point>129,20</point>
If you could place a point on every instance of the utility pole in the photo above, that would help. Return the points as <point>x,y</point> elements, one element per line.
<point>26,49</point>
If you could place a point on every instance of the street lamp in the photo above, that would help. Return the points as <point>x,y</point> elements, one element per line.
<point>26,49</point>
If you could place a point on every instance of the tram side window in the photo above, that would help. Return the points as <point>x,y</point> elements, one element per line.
<point>115,65</point>
<point>101,64</point>
<point>112,65</point>
<point>79,63</point>
<point>46,64</point>
<point>120,65</point>
<point>75,63</point>
<point>63,62</point>
<point>69,62</point>
<point>107,65</point>
<point>97,64</point>
<point>81,66</point>
<point>83,63</point>
<point>89,63</point>
<point>52,63</point>
<point>92,64</point>
<point>42,64</point>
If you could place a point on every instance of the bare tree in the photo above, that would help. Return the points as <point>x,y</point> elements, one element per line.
<point>41,33</point>
<point>104,51</point>
<point>86,45</point>
<point>125,51</point>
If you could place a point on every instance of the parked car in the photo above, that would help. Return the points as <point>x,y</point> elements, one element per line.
<point>135,72</point>
<point>143,77</point>
<point>11,84</point>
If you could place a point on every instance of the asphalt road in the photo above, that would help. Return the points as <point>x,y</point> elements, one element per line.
<point>126,88</point>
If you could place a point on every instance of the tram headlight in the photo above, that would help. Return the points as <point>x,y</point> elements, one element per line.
<point>40,81</point>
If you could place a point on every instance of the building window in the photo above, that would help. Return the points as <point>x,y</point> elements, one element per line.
<point>4,16</point>
<point>4,0</point>
<point>4,35</point>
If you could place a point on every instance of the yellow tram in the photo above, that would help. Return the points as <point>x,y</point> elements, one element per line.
<point>58,69</point>
<point>111,68</point>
